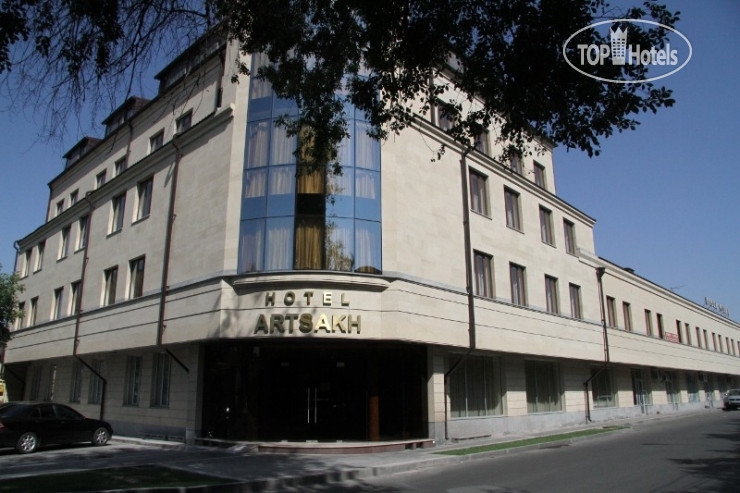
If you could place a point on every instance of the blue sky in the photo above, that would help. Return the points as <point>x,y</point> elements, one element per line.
<point>666,197</point>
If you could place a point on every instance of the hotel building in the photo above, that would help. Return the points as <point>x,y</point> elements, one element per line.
<point>190,282</point>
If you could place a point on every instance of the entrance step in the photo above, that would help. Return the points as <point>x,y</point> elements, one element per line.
<point>316,447</point>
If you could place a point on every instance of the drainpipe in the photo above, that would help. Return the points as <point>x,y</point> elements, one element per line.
<point>599,275</point>
<point>468,282</point>
<point>161,326</point>
<point>78,305</point>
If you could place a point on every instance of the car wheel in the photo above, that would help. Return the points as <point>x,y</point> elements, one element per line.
<point>27,443</point>
<point>100,437</point>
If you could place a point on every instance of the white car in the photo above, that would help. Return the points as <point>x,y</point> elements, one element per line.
<point>731,399</point>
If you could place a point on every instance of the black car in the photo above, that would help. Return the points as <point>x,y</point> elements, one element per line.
<point>27,425</point>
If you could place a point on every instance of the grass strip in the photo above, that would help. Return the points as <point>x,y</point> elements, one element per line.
<point>109,479</point>
<point>531,441</point>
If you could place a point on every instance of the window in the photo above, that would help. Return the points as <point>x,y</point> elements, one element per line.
<point>483,278</point>
<point>648,323</point>
<point>96,383</point>
<point>21,315</point>
<point>32,312</point>
<point>444,121</point>
<point>39,256</point>
<point>35,393</point>
<point>576,309</point>
<point>539,175</point>
<point>133,381</point>
<point>74,300</point>
<point>120,166</point>
<point>706,340</point>
<point>56,306</point>
<point>184,122</point>
<point>627,314</point>
<point>82,226</point>
<point>543,386</point>
<point>109,287</point>
<point>515,161</point>
<point>51,383</point>
<point>479,193</point>
<point>569,231</point>
<point>74,197</point>
<point>688,334</point>
<point>661,329</point>
<point>482,143</point>
<point>136,286</point>
<point>26,263</point>
<point>546,226</point>
<point>156,141</point>
<point>511,199</point>
<point>602,391</point>
<point>475,388</point>
<point>161,380</point>
<point>64,242</point>
<point>679,331</point>
<point>551,295</point>
<point>60,207</point>
<point>144,198</point>
<point>518,285</point>
<point>100,179</point>
<point>118,207</point>
<point>692,386</point>
<point>611,311</point>
<point>75,388</point>
<point>698,336</point>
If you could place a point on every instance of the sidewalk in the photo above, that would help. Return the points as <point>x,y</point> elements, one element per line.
<point>252,471</point>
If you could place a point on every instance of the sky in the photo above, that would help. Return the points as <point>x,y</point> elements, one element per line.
<point>665,197</point>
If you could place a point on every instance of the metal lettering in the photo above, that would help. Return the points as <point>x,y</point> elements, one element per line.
<point>289,298</point>
<point>305,323</point>
<point>308,295</point>
<point>270,299</point>
<point>357,324</point>
<point>276,323</point>
<point>327,298</point>
<point>322,324</point>
<point>337,323</point>
<point>345,302</point>
<point>261,325</point>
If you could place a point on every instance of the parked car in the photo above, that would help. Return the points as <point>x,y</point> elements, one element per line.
<point>28,425</point>
<point>731,399</point>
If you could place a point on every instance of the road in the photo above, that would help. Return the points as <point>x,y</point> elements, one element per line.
<point>682,453</point>
<point>696,453</point>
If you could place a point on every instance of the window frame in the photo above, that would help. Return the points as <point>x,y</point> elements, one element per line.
<point>513,209</point>
<point>132,384</point>
<point>576,302</point>
<point>161,380</point>
<point>627,315</point>
<point>144,192</point>
<point>546,227</point>
<point>483,274</point>
<point>479,201</point>
<point>137,268</point>
<point>65,233</point>
<point>518,284</point>
<point>118,213</point>
<point>569,232</point>
<point>110,282</point>
<point>552,297</point>
<point>543,398</point>
<point>540,176</point>
<point>156,141</point>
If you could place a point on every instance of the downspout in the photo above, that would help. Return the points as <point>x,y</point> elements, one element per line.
<point>599,276</point>
<point>468,282</point>
<point>78,305</point>
<point>161,326</point>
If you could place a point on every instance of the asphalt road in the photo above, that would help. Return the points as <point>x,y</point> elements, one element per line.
<point>699,453</point>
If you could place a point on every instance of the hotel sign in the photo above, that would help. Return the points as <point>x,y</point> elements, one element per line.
<point>296,320</point>
<point>716,307</point>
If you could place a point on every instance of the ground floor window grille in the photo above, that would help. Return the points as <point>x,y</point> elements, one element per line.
<point>161,380</point>
<point>76,384</point>
<point>34,395</point>
<point>96,383</point>
<point>602,390</point>
<point>543,387</point>
<point>692,386</point>
<point>133,381</point>
<point>475,387</point>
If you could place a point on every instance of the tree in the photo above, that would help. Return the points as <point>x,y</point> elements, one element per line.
<point>383,56</point>
<point>9,310</point>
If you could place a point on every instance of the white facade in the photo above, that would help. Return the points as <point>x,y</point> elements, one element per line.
<point>194,344</point>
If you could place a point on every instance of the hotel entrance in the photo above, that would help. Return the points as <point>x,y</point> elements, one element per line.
<point>310,390</point>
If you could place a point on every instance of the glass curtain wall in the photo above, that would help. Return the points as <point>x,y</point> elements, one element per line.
<point>310,218</point>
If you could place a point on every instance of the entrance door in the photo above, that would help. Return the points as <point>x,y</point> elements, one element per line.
<point>639,391</point>
<point>314,395</point>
